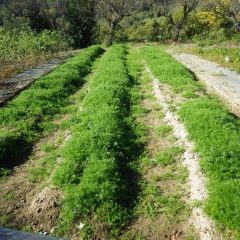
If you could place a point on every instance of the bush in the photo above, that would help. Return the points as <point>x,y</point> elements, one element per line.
<point>17,45</point>
<point>158,30</point>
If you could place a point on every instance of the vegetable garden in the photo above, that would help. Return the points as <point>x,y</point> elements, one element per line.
<point>103,168</point>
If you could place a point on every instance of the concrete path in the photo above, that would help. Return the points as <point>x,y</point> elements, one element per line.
<point>12,86</point>
<point>223,82</point>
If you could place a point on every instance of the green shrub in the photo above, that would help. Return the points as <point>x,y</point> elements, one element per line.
<point>157,30</point>
<point>17,45</point>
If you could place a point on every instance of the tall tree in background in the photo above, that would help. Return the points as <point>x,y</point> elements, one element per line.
<point>113,11</point>
<point>75,17</point>
<point>229,9</point>
<point>81,16</point>
<point>177,13</point>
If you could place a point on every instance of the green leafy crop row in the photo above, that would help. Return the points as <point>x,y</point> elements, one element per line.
<point>215,132</point>
<point>217,136</point>
<point>170,71</point>
<point>22,118</point>
<point>93,160</point>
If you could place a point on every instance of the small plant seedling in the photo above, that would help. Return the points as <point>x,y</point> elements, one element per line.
<point>169,156</point>
<point>164,130</point>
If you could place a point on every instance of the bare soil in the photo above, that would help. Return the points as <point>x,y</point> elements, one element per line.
<point>28,205</point>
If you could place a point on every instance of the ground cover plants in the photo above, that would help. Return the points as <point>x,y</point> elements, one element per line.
<point>115,161</point>
<point>215,132</point>
<point>161,183</point>
<point>23,118</point>
<point>94,167</point>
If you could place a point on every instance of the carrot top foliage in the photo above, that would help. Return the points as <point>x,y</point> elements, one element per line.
<point>94,168</point>
<point>170,71</point>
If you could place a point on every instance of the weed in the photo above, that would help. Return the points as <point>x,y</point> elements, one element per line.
<point>9,196</point>
<point>4,172</point>
<point>164,130</point>
<point>169,156</point>
<point>4,220</point>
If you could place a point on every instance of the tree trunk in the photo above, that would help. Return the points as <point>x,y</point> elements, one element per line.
<point>110,34</point>
<point>235,21</point>
<point>176,33</point>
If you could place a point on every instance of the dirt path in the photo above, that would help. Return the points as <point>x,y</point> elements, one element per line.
<point>202,224</point>
<point>12,86</point>
<point>28,201</point>
<point>223,82</point>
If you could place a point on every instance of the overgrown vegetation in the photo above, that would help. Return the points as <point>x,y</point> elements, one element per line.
<point>20,49</point>
<point>228,57</point>
<point>17,46</point>
<point>108,21</point>
<point>25,117</point>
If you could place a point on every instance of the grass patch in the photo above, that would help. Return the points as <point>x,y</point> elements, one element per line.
<point>169,156</point>
<point>218,54</point>
<point>164,130</point>
<point>44,168</point>
<point>155,202</point>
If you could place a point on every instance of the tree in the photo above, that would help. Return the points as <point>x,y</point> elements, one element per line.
<point>81,19</point>
<point>177,13</point>
<point>113,11</point>
<point>75,17</point>
<point>229,9</point>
